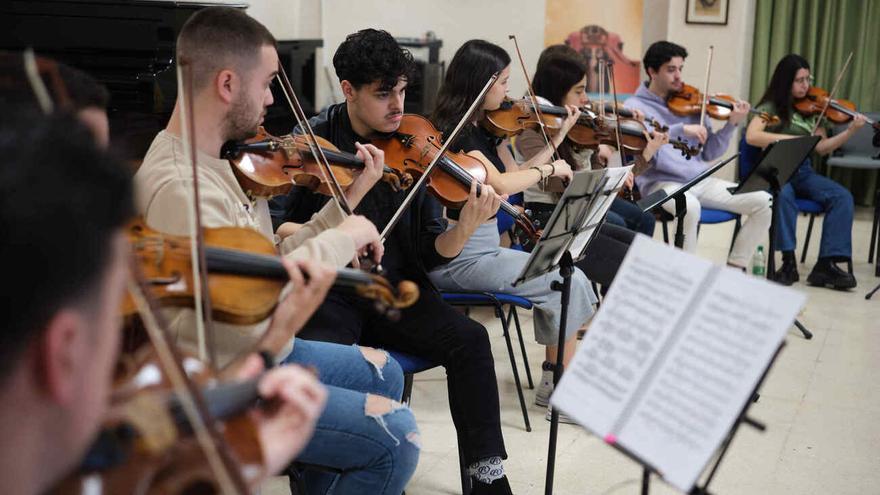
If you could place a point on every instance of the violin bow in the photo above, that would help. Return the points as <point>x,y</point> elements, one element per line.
<point>610,68</point>
<point>410,196</point>
<point>214,447</point>
<point>41,92</point>
<point>202,299</point>
<point>706,86</point>
<point>534,99</point>
<point>833,91</point>
<point>316,150</point>
<point>601,88</point>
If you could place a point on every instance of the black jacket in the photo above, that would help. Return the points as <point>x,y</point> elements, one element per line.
<point>410,250</point>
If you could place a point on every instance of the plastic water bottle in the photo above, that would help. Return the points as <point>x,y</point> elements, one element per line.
<point>758,261</point>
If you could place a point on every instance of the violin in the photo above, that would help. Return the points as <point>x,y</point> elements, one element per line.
<point>515,116</point>
<point>634,137</point>
<point>589,132</point>
<point>838,111</point>
<point>624,112</point>
<point>415,144</point>
<point>245,275</point>
<point>268,165</point>
<point>689,101</point>
<point>147,445</point>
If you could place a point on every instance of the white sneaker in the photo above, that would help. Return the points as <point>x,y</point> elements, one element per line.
<point>545,388</point>
<point>563,418</point>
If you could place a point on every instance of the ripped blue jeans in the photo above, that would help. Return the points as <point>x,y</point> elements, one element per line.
<point>373,441</point>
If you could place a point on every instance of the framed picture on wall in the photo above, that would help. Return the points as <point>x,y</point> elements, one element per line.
<point>707,12</point>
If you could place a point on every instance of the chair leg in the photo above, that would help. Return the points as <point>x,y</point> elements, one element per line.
<point>874,229</point>
<point>407,388</point>
<point>807,240</point>
<point>736,226</point>
<point>297,483</point>
<point>499,311</point>
<point>465,479</point>
<point>665,231</point>
<point>522,346</point>
<point>598,294</point>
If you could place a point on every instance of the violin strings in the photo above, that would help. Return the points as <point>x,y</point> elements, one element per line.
<point>465,119</point>
<point>317,151</point>
<point>218,459</point>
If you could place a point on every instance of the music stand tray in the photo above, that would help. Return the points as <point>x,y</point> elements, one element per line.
<point>576,219</point>
<point>777,165</point>
<point>778,162</point>
<point>658,197</point>
<point>573,224</point>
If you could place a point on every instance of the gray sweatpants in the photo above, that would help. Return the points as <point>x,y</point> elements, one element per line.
<point>484,265</point>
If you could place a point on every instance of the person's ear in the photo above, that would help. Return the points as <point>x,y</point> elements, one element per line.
<point>60,355</point>
<point>348,90</point>
<point>227,85</point>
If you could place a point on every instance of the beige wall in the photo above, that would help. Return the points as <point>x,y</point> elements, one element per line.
<point>731,64</point>
<point>453,21</point>
<point>623,17</point>
<point>288,19</point>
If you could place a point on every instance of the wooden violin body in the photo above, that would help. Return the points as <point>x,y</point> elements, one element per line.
<point>245,275</point>
<point>838,111</point>
<point>267,165</point>
<point>515,116</point>
<point>689,101</point>
<point>146,444</point>
<point>414,146</point>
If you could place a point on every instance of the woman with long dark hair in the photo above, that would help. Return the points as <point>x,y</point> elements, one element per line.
<point>791,81</point>
<point>561,79</point>
<point>483,264</point>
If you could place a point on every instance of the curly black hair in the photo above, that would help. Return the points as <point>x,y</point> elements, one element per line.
<point>661,52</point>
<point>371,55</point>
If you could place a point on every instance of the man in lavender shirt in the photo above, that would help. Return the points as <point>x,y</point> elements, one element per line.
<point>663,62</point>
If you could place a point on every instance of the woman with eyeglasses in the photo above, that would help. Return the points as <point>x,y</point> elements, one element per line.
<point>790,81</point>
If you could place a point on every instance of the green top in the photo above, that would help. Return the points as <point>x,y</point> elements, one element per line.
<point>799,125</point>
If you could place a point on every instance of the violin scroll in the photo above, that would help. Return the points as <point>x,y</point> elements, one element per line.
<point>386,300</point>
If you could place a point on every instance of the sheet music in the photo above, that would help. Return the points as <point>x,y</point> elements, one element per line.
<point>697,394</point>
<point>673,355</point>
<point>649,295</point>
<point>615,177</point>
<point>570,213</point>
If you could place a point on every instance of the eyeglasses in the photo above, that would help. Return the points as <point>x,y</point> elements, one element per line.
<point>803,80</point>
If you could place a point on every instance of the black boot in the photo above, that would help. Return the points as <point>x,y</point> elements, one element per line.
<point>497,487</point>
<point>826,273</point>
<point>788,273</point>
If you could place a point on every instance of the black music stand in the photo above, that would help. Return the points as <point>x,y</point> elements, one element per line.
<point>741,419</point>
<point>572,226</point>
<point>777,164</point>
<point>657,198</point>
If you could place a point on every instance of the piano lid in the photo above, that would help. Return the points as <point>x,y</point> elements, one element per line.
<point>127,45</point>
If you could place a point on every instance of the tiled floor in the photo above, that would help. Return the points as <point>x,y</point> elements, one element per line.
<point>821,404</point>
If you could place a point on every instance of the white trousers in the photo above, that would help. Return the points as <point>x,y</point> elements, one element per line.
<point>713,193</point>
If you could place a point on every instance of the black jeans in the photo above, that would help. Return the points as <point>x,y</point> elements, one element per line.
<point>436,331</point>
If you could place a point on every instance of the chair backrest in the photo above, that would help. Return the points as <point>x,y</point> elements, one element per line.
<point>861,143</point>
<point>505,221</point>
<point>748,157</point>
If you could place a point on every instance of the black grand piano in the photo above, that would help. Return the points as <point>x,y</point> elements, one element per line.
<point>129,46</point>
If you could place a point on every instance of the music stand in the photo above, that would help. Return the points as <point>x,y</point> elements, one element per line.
<point>658,197</point>
<point>778,162</point>
<point>573,224</point>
